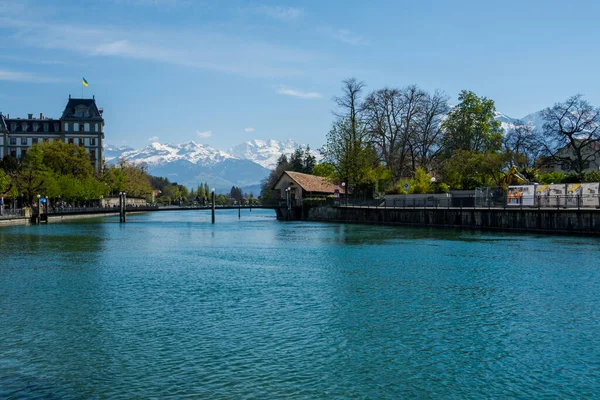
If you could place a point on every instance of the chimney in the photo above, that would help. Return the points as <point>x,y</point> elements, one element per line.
<point>69,97</point>
<point>29,116</point>
<point>41,115</point>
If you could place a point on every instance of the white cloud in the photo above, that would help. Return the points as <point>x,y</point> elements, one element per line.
<point>204,134</point>
<point>297,93</point>
<point>347,36</point>
<point>153,139</point>
<point>17,76</point>
<point>280,13</point>
<point>249,130</point>
<point>195,48</point>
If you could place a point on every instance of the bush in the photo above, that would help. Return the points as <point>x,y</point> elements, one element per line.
<point>443,188</point>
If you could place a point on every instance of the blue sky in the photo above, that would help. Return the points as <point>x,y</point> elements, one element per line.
<point>223,72</point>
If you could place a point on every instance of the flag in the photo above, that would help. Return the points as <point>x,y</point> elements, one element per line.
<point>84,82</point>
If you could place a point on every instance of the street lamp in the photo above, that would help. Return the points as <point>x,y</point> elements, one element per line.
<point>39,206</point>
<point>345,194</point>
<point>46,205</point>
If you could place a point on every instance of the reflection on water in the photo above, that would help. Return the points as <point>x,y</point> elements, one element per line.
<point>169,305</point>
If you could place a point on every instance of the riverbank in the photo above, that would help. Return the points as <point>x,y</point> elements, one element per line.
<point>53,218</point>
<point>534,220</point>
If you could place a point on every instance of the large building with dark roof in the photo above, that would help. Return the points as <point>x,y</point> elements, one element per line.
<point>81,124</point>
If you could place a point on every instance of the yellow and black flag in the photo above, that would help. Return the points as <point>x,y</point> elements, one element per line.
<point>84,82</point>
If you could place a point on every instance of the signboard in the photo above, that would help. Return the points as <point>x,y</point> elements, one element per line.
<point>406,187</point>
<point>520,195</point>
<point>550,195</point>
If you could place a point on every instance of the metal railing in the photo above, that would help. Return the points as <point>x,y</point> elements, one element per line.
<point>552,202</point>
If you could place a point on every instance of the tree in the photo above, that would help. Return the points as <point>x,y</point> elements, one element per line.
<point>296,161</point>
<point>522,146</point>
<point>571,133</point>
<point>392,117</point>
<point>325,170</point>
<point>427,141</point>
<point>33,177</point>
<point>66,159</point>
<point>348,149</point>
<point>267,195</point>
<point>236,193</point>
<point>471,126</point>
<point>4,181</point>
<point>309,161</point>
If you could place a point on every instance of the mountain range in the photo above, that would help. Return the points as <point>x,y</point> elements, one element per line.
<point>191,163</point>
<point>244,165</point>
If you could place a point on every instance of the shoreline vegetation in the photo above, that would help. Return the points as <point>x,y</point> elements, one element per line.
<point>389,141</point>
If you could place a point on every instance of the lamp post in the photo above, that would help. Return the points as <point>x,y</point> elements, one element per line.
<point>344,193</point>
<point>213,205</point>
<point>46,208</point>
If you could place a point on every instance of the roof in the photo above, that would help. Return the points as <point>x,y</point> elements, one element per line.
<point>88,105</point>
<point>311,183</point>
<point>3,126</point>
<point>28,125</point>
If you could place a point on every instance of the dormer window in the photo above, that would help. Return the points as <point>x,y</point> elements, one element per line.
<point>82,112</point>
<point>45,127</point>
<point>13,127</point>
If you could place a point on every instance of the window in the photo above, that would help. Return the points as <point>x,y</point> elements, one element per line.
<point>13,140</point>
<point>56,127</point>
<point>71,141</point>
<point>86,127</point>
<point>93,155</point>
<point>13,153</point>
<point>81,141</point>
<point>23,141</point>
<point>34,140</point>
<point>35,127</point>
<point>76,127</point>
<point>13,127</point>
<point>46,140</point>
<point>23,153</point>
<point>45,127</point>
<point>81,128</point>
<point>92,141</point>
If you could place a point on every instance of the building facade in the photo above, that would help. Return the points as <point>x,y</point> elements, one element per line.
<point>81,124</point>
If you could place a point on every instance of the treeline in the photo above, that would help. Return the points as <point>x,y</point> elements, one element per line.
<point>64,171</point>
<point>388,137</point>
<point>300,161</point>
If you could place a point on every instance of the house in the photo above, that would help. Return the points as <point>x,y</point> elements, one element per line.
<point>81,124</point>
<point>565,159</point>
<point>300,186</point>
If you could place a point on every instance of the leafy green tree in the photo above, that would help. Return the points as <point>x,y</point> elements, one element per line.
<point>471,126</point>
<point>325,170</point>
<point>66,159</point>
<point>4,181</point>
<point>33,177</point>
<point>221,200</point>
<point>421,182</point>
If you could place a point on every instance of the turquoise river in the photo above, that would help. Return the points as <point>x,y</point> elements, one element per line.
<point>170,306</point>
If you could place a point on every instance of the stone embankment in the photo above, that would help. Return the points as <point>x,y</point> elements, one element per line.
<point>540,220</point>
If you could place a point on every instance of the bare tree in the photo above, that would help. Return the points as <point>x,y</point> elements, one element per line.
<point>572,133</point>
<point>392,117</point>
<point>522,145</point>
<point>428,138</point>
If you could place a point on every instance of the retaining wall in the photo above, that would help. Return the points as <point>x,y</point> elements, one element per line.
<point>573,221</point>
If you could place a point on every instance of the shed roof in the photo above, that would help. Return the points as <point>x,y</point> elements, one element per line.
<point>311,183</point>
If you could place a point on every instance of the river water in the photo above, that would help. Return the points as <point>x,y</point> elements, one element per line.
<point>171,306</point>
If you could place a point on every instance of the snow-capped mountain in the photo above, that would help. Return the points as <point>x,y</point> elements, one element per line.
<point>191,163</point>
<point>159,154</point>
<point>265,152</point>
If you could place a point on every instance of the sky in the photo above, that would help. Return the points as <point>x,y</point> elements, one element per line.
<point>224,72</point>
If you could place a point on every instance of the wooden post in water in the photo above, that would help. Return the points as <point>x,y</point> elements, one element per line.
<point>122,217</point>
<point>213,205</point>
<point>239,209</point>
